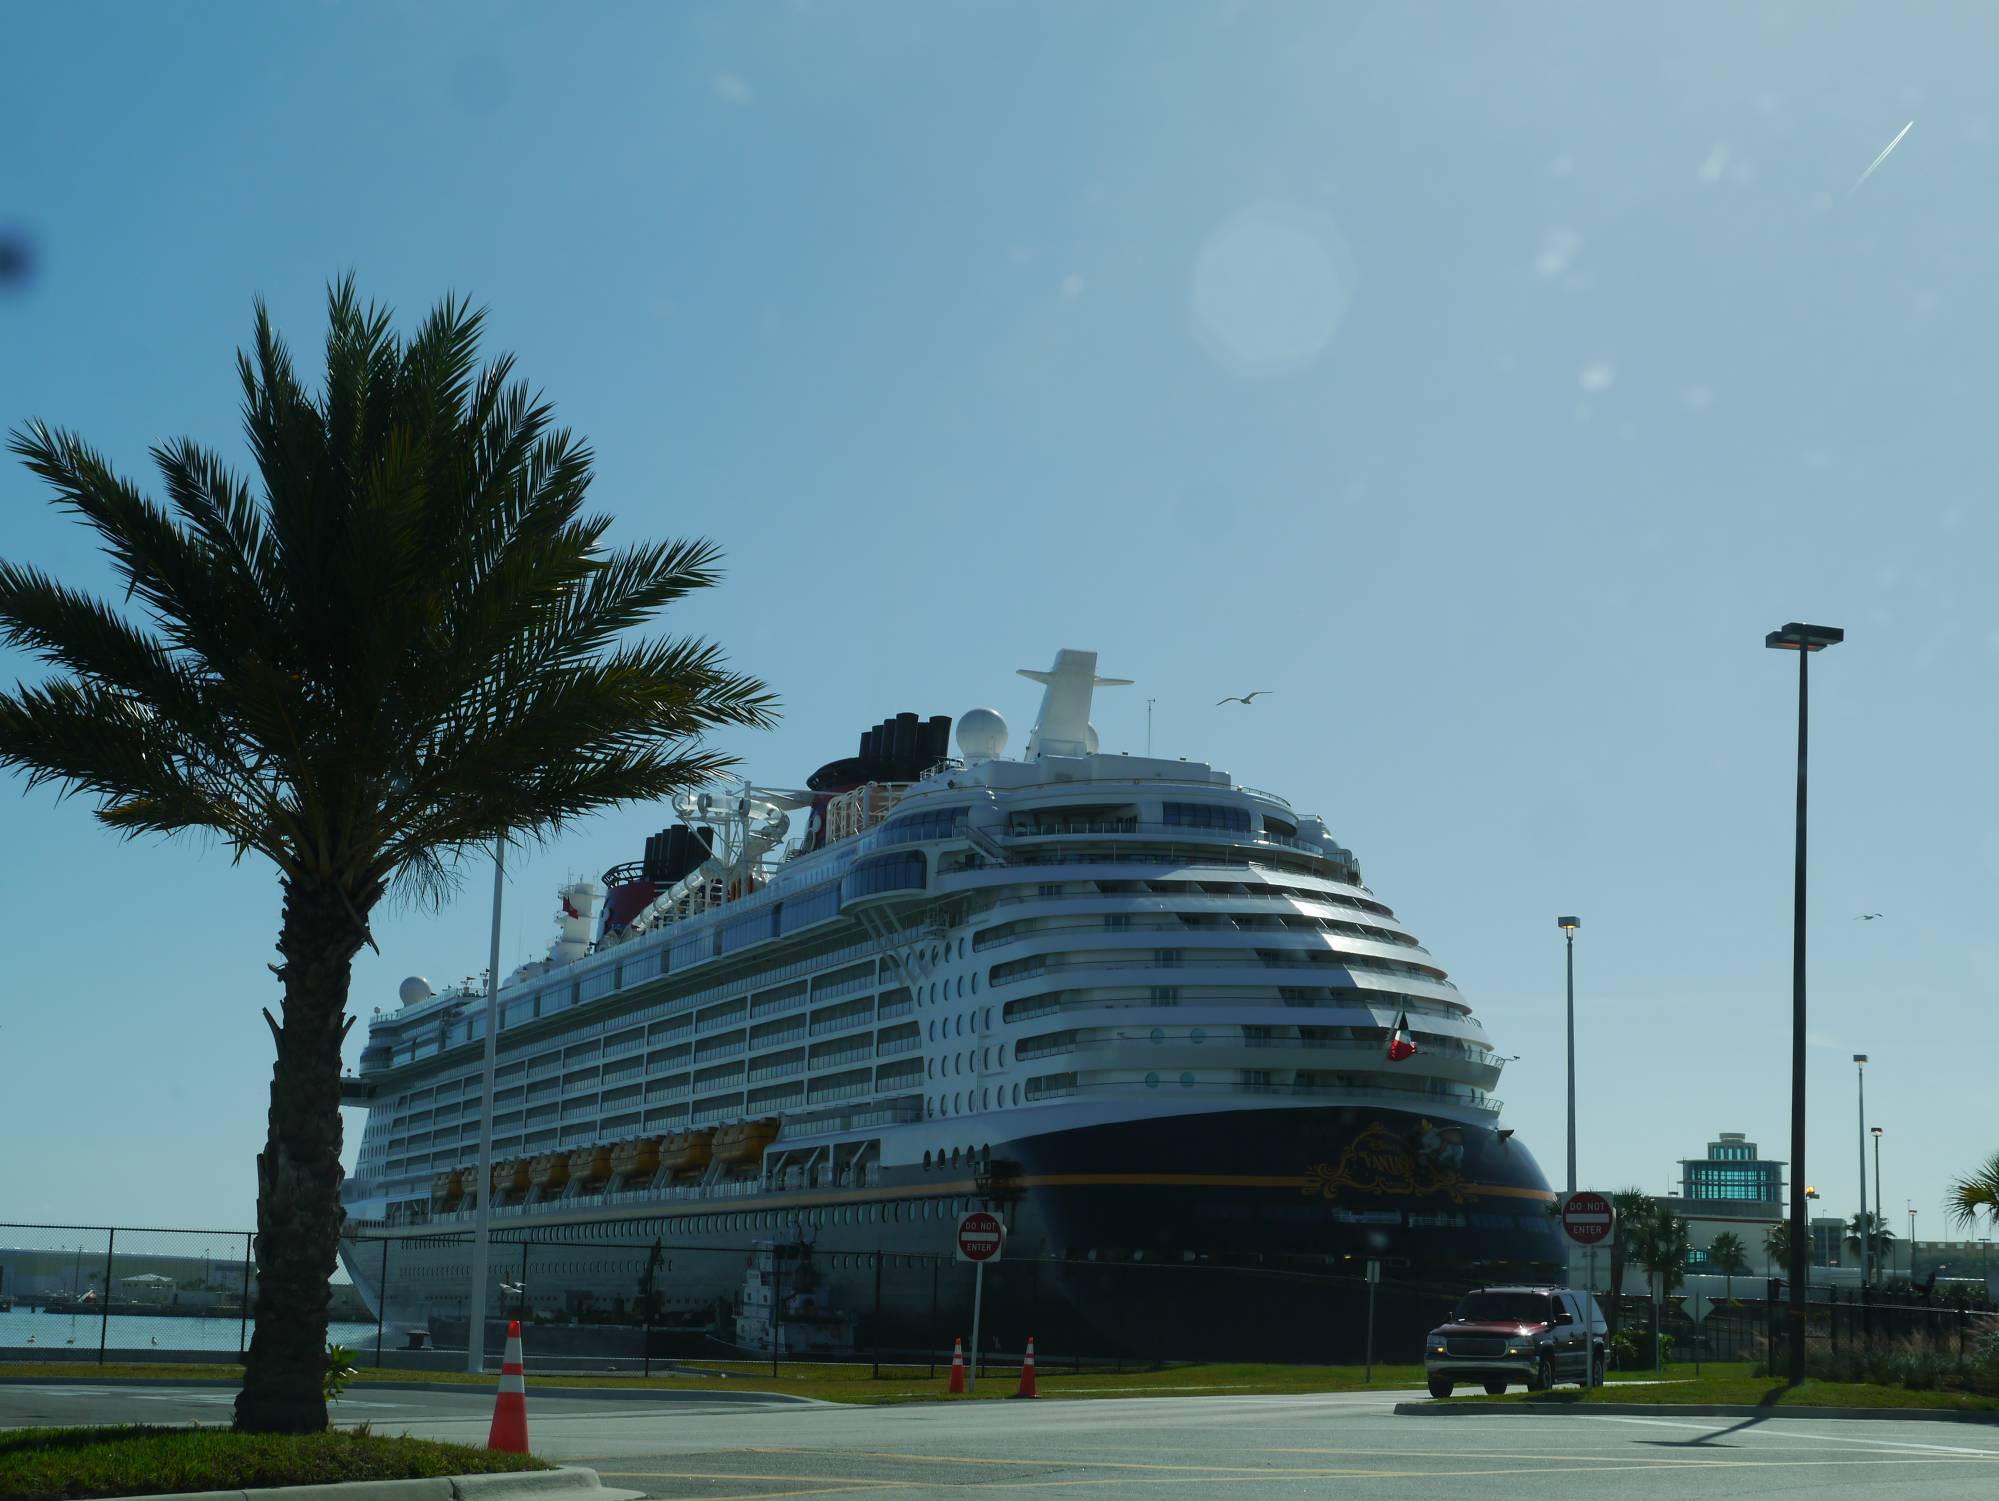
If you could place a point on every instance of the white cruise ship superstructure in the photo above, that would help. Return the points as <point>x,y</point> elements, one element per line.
<point>1143,1011</point>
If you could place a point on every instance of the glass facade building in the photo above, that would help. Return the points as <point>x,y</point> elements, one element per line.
<point>1732,1170</point>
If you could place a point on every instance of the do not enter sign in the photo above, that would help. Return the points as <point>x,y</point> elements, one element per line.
<point>979,1236</point>
<point>1588,1218</point>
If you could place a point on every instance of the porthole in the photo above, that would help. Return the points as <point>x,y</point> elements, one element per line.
<point>1002,1055</point>
<point>1159,1034</point>
<point>1152,1081</point>
<point>961,948</point>
<point>1016,1094</point>
<point>957,1102</point>
<point>985,1099</point>
<point>989,1018</point>
<point>926,1161</point>
<point>1186,1081</point>
<point>975,982</point>
<point>933,953</point>
<point>961,987</point>
<point>1198,1036</point>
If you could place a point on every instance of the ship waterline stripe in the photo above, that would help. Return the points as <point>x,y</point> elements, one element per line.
<point>947,1189</point>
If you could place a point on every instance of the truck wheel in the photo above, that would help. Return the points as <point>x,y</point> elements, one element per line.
<point>1440,1387</point>
<point>1544,1376</point>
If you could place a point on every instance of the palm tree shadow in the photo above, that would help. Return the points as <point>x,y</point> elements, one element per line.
<point>1709,1440</point>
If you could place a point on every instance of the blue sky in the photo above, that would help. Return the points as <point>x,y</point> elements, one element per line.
<point>1486,379</point>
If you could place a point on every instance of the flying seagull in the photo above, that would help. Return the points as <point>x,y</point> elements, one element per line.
<point>1883,156</point>
<point>1867,917</point>
<point>1245,698</point>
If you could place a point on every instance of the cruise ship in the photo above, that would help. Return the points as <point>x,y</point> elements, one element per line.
<point>1152,1017</point>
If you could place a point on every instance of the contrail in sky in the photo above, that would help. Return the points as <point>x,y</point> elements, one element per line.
<point>1883,156</point>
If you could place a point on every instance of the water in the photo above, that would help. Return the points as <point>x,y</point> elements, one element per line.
<point>53,1333</point>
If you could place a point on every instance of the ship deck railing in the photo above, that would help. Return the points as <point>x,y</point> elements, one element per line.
<point>1411,1099</point>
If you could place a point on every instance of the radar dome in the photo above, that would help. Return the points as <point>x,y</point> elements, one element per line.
<point>415,990</point>
<point>981,734</point>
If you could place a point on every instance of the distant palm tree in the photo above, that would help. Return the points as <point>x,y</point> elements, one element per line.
<point>1977,1190</point>
<point>1635,1211</point>
<point>409,642</point>
<point>1730,1257</point>
<point>1880,1239</point>
<point>1777,1246</point>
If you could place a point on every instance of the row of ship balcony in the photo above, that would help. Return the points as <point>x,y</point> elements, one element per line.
<point>1416,1094</point>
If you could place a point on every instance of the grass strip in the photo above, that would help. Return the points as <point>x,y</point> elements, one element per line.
<point>41,1463</point>
<point>838,1383</point>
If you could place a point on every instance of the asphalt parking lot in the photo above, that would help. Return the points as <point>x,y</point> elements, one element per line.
<point>1231,1447</point>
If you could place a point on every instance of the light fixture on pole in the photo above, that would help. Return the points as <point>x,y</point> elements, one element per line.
<point>1568,925</point>
<point>1866,1229</point>
<point>1875,1132</point>
<point>475,1311</point>
<point>1805,640</point>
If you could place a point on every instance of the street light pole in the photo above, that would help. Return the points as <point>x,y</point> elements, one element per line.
<point>1804,640</point>
<point>475,1323</point>
<point>1875,1132</point>
<point>1866,1229</point>
<point>1568,926</point>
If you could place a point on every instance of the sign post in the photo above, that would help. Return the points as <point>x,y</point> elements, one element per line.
<point>980,1237</point>
<point>1373,1278</point>
<point>1589,1219</point>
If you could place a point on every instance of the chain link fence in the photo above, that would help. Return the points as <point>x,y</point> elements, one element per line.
<point>631,1303</point>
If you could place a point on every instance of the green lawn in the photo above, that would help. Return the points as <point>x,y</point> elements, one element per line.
<point>834,1383</point>
<point>1734,1385</point>
<point>38,1463</point>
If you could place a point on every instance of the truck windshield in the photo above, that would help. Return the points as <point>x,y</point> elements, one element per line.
<point>1507,1308</point>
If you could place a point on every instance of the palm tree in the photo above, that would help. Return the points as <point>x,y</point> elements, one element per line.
<point>407,643</point>
<point>1635,1211</point>
<point>1879,1238</point>
<point>1730,1257</point>
<point>1977,1190</point>
<point>1777,1247</point>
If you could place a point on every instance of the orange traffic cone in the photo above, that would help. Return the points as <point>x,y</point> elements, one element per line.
<point>957,1367</point>
<point>510,1408</point>
<point>1027,1372</point>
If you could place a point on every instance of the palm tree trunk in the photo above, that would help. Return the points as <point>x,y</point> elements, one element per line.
<point>298,1173</point>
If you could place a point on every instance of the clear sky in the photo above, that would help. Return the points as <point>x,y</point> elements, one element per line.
<point>1486,379</point>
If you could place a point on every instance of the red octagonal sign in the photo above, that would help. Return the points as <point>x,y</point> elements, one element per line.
<point>1587,1218</point>
<point>979,1236</point>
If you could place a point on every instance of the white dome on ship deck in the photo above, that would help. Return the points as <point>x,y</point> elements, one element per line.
<point>415,991</point>
<point>981,734</point>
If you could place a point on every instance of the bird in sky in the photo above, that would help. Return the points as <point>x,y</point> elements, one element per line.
<point>1244,698</point>
<point>1867,917</point>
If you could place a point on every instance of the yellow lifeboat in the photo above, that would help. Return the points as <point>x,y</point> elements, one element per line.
<point>448,1188</point>
<point>636,1159</point>
<point>590,1164</point>
<point>550,1171</point>
<point>742,1144</point>
<point>510,1177</point>
<point>686,1151</point>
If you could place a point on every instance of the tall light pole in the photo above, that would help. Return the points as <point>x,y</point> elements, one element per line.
<point>1568,925</point>
<point>475,1324</point>
<point>1805,640</point>
<point>1875,1132</point>
<point>1912,1240</point>
<point>1866,1229</point>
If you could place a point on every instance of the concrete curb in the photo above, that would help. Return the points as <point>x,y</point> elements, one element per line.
<point>362,1388</point>
<point>1446,1408</point>
<point>570,1483</point>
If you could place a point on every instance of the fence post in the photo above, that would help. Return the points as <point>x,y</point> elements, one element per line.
<point>776,1304</point>
<point>933,1315</point>
<point>104,1329</point>
<point>243,1303</point>
<point>877,1322</point>
<point>381,1302</point>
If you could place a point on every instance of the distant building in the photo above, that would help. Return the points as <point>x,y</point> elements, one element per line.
<point>1732,1171</point>
<point>1828,1240</point>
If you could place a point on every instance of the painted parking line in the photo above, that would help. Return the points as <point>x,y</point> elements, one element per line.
<point>1759,1428</point>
